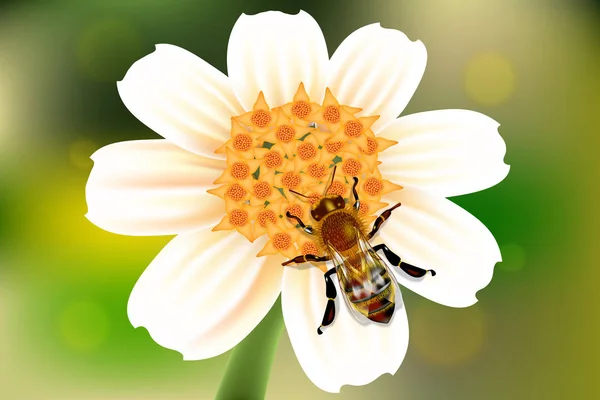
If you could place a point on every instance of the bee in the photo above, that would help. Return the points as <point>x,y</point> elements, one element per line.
<point>367,283</point>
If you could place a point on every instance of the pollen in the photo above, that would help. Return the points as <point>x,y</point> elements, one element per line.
<point>371,146</point>
<point>290,180</point>
<point>238,217</point>
<point>373,186</point>
<point>337,188</point>
<point>266,216</point>
<point>296,211</point>
<point>240,170</point>
<point>331,114</point>
<point>314,198</point>
<point>363,209</point>
<point>285,133</point>
<point>262,190</point>
<point>273,159</point>
<point>236,192</point>
<point>316,170</point>
<point>301,109</point>
<point>261,118</point>
<point>333,147</point>
<point>306,151</point>
<point>282,241</point>
<point>242,142</point>
<point>351,167</point>
<point>309,248</point>
<point>353,129</point>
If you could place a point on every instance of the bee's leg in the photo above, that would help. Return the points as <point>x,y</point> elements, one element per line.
<point>307,228</point>
<point>395,260</point>
<point>331,294</point>
<point>306,258</point>
<point>357,201</point>
<point>384,215</point>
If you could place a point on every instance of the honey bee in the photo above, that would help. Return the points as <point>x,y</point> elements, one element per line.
<point>368,285</point>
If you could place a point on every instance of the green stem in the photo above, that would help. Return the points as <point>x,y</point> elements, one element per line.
<point>247,373</point>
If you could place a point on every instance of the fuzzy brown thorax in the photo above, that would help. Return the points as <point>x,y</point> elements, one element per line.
<point>338,229</point>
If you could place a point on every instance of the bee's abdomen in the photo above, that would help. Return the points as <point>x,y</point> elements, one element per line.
<point>378,303</point>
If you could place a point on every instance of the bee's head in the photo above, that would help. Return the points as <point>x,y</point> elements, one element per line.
<point>325,205</point>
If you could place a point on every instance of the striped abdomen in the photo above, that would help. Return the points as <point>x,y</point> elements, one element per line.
<point>372,295</point>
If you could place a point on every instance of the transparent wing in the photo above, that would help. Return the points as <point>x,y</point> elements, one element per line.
<point>368,286</point>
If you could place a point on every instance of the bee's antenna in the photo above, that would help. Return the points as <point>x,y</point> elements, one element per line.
<point>332,176</point>
<point>299,194</point>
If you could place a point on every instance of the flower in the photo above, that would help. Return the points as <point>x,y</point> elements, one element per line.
<point>207,289</point>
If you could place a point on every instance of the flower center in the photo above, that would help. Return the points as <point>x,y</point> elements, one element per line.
<point>337,188</point>
<point>334,147</point>
<point>316,170</point>
<point>242,142</point>
<point>295,210</point>
<point>240,170</point>
<point>285,133</point>
<point>331,114</point>
<point>273,159</point>
<point>363,209</point>
<point>272,152</point>
<point>306,151</point>
<point>262,190</point>
<point>290,180</point>
<point>236,192</point>
<point>266,216</point>
<point>353,129</point>
<point>261,118</point>
<point>371,146</point>
<point>301,109</point>
<point>351,167</point>
<point>309,248</point>
<point>373,186</point>
<point>282,241</point>
<point>238,217</point>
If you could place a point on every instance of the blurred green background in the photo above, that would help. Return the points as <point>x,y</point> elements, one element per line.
<point>64,283</point>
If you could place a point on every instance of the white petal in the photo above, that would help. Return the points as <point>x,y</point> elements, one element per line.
<point>347,353</point>
<point>431,232</point>
<point>182,98</point>
<point>447,152</point>
<point>378,70</point>
<point>152,187</point>
<point>273,52</point>
<point>205,292</point>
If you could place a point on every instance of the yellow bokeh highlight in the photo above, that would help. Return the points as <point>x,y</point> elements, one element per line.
<point>83,326</point>
<point>489,78</point>
<point>513,257</point>
<point>103,45</point>
<point>447,336</point>
<point>80,152</point>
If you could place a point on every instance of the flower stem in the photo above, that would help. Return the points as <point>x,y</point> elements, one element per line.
<point>247,373</point>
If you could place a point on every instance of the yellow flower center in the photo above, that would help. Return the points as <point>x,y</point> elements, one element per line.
<point>282,241</point>
<point>236,192</point>
<point>285,133</point>
<point>262,190</point>
<point>238,217</point>
<point>373,186</point>
<point>242,142</point>
<point>272,153</point>
<point>261,118</point>
<point>301,109</point>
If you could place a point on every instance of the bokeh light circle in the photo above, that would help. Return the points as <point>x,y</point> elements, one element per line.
<point>83,326</point>
<point>489,78</point>
<point>446,336</point>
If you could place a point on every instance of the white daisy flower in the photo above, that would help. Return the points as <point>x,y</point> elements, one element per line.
<point>285,114</point>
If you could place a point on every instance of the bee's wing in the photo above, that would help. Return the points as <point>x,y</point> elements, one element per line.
<point>365,280</point>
